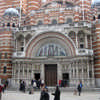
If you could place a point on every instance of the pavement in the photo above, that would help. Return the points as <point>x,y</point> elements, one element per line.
<point>17,95</point>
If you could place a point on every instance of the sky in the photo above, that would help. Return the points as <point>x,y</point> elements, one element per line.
<point>92,0</point>
<point>95,0</point>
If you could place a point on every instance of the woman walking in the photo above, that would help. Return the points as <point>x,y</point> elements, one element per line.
<point>57,94</point>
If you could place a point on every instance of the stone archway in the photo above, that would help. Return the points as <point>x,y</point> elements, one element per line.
<point>50,37</point>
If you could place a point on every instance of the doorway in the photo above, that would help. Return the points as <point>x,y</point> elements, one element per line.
<point>65,81</point>
<point>51,74</point>
<point>37,76</point>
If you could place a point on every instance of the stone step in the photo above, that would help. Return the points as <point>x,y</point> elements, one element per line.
<point>63,89</point>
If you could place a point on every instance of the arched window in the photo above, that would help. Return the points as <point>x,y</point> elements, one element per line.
<point>13,25</point>
<point>3,24</point>
<point>20,42</point>
<point>54,21</point>
<point>51,49</point>
<point>81,39</point>
<point>5,69</point>
<point>5,55</point>
<point>93,17</point>
<point>8,24</point>
<point>98,16</point>
<point>69,20</point>
<point>40,22</point>
<point>0,55</point>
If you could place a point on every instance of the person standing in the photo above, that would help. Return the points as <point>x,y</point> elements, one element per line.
<point>57,94</point>
<point>44,94</point>
<point>79,88</point>
<point>1,91</point>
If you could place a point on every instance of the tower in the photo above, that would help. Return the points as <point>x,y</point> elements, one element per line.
<point>8,4</point>
<point>6,50</point>
<point>96,46</point>
<point>85,6</point>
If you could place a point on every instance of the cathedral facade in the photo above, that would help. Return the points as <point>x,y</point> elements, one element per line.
<point>50,40</point>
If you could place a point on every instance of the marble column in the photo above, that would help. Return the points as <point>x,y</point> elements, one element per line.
<point>23,69</point>
<point>73,70</point>
<point>42,72</point>
<point>92,69</point>
<point>76,41</point>
<point>88,69</point>
<point>24,43</point>
<point>77,75</point>
<point>59,72</point>
<point>86,41</point>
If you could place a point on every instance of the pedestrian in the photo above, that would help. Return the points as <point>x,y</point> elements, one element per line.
<point>46,94</point>
<point>1,91</point>
<point>42,96</point>
<point>79,88</point>
<point>57,94</point>
<point>23,86</point>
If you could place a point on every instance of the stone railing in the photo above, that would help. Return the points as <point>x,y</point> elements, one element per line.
<point>19,54</point>
<point>84,52</point>
<point>56,27</point>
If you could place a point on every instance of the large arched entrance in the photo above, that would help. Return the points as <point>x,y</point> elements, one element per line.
<point>52,47</point>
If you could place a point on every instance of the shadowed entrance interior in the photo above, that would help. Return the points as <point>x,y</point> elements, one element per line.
<point>51,74</point>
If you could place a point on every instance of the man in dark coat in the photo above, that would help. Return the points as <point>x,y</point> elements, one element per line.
<point>42,97</point>
<point>44,94</point>
<point>79,88</point>
<point>0,91</point>
<point>57,94</point>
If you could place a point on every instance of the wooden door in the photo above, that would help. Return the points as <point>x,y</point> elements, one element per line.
<point>51,74</point>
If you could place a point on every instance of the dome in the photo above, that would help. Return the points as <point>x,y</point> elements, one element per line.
<point>11,12</point>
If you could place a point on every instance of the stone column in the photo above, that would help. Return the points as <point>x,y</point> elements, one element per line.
<point>42,72</point>
<point>76,41</point>
<point>92,69</point>
<point>88,68</point>
<point>91,41</point>
<point>59,72</point>
<point>88,83</point>
<point>70,75</point>
<point>16,45</point>
<point>86,42</point>
<point>23,69</point>
<point>73,70</point>
<point>24,43</point>
<point>70,71</point>
<point>77,71</point>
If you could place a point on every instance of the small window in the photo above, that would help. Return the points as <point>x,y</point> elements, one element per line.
<point>13,25</point>
<point>69,20</point>
<point>8,24</point>
<point>22,48</point>
<point>24,22</point>
<point>81,45</point>
<point>0,55</point>
<point>40,22</point>
<point>3,24</point>
<point>54,21</point>
<point>98,16</point>
<point>5,69</point>
<point>93,17</point>
<point>90,74</point>
<point>5,55</point>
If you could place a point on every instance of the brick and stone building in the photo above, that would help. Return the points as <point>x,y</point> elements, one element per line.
<point>52,40</point>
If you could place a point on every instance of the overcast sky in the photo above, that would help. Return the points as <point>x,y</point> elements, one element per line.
<point>92,0</point>
<point>95,0</point>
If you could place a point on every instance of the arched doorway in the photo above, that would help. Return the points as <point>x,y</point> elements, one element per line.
<point>50,48</point>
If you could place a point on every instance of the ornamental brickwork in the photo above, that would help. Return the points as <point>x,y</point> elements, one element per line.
<point>64,33</point>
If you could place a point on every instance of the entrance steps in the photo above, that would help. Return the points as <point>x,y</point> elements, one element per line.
<point>71,89</point>
<point>63,89</point>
